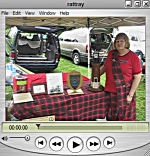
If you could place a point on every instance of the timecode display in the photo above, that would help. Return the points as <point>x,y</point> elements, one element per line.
<point>18,127</point>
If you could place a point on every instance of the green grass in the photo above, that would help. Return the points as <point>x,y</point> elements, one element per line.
<point>66,65</point>
<point>9,90</point>
<point>140,98</point>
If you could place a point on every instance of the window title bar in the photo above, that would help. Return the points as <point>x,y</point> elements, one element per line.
<point>66,4</point>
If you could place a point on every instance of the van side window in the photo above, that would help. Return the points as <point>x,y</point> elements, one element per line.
<point>134,38</point>
<point>67,40</point>
<point>60,39</point>
<point>75,40</point>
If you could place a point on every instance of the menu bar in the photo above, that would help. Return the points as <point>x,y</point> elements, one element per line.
<point>65,12</point>
<point>32,13</point>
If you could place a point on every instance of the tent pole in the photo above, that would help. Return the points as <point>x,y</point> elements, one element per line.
<point>88,39</point>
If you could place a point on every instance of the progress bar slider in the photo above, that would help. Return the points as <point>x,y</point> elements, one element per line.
<point>42,127</point>
<point>80,127</point>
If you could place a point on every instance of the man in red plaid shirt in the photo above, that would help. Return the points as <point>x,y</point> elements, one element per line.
<point>123,69</point>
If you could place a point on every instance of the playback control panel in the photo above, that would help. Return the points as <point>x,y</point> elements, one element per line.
<point>78,138</point>
<point>74,144</point>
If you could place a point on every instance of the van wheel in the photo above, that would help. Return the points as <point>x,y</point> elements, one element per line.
<point>76,58</point>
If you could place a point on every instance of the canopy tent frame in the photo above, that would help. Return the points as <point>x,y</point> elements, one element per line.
<point>101,22</point>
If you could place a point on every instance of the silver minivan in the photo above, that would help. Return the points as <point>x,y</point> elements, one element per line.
<point>74,43</point>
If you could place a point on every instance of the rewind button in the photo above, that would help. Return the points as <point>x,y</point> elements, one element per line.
<point>56,144</point>
<point>93,144</point>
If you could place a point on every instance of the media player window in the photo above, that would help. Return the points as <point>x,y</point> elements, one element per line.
<point>49,45</point>
<point>76,78</point>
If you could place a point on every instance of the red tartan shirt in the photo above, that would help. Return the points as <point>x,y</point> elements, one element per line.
<point>130,65</point>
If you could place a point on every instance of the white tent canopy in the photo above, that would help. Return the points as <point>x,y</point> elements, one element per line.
<point>103,22</point>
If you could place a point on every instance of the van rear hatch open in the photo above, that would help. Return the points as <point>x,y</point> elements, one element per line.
<point>101,41</point>
<point>36,47</point>
<point>35,44</point>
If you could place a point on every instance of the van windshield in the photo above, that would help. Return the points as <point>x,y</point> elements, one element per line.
<point>28,36</point>
<point>100,38</point>
<point>100,42</point>
<point>141,36</point>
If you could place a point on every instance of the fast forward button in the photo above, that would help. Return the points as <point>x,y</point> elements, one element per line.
<point>93,144</point>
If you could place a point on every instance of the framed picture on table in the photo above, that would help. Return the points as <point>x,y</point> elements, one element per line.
<point>54,83</point>
<point>38,89</point>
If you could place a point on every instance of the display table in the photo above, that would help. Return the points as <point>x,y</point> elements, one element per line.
<point>86,107</point>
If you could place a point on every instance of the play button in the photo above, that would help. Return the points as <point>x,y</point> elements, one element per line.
<point>75,144</point>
